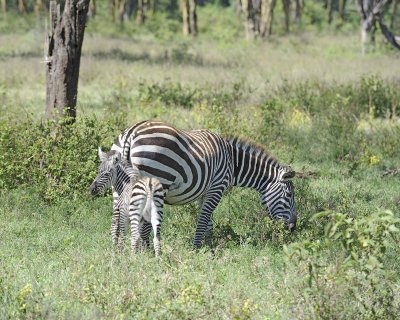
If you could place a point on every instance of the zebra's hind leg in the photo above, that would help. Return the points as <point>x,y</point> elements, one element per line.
<point>134,217</point>
<point>145,233</point>
<point>156,220</point>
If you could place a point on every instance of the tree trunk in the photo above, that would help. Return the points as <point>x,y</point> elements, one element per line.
<point>92,9</point>
<point>249,23</point>
<point>63,54</point>
<point>193,17</point>
<point>141,12</point>
<point>3,6</point>
<point>299,6</point>
<point>111,7</point>
<point>286,11</point>
<point>330,10</point>
<point>367,38</point>
<point>22,6</point>
<point>185,7</point>
<point>394,13</point>
<point>342,9</point>
<point>38,7</point>
<point>267,16</point>
<point>120,10</point>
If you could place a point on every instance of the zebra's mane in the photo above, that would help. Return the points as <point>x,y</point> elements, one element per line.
<point>130,170</point>
<point>252,148</point>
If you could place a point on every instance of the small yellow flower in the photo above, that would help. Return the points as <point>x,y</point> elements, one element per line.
<point>373,160</point>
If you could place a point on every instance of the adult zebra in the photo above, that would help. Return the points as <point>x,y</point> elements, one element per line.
<point>200,165</point>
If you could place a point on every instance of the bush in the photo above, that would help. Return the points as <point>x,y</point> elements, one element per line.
<point>60,161</point>
<point>348,263</point>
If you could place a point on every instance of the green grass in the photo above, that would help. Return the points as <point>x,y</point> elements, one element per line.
<point>308,97</point>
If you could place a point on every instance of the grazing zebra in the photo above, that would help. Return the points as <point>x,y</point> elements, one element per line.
<point>140,199</point>
<point>200,165</point>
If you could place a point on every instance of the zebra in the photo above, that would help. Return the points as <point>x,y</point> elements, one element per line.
<point>201,165</point>
<point>140,199</point>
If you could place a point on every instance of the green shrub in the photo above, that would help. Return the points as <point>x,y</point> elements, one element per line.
<point>60,161</point>
<point>348,263</point>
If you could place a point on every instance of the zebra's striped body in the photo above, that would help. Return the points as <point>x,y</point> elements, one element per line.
<point>140,199</point>
<point>199,164</point>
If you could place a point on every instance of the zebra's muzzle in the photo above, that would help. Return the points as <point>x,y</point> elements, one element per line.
<point>93,189</point>
<point>291,227</point>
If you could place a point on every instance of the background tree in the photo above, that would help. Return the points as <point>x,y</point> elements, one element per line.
<point>267,16</point>
<point>371,12</point>
<point>141,11</point>
<point>189,17</point>
<point>3,6</point>
<point>22,6</point>
<point>62,57</point>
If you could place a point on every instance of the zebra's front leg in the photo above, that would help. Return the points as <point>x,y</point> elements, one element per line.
<point>208,233</point>
<point>205,224</point>
<point>135,232</point>
<point>115,223</point>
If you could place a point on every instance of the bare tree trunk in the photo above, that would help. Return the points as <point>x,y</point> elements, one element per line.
<point>342,9</point>
<point>267,16</point>
<point>22,6</point>
<point>38,7</point>
<point>286,11</point>
<point>92,9</point>
<point>193,17</point>
<point>3,6</point>
<point>111,7</point>
<point>62,57</point>
<point>299,6</point>
<point>120,6</point>
<point>185,7</point>
<point>141,12</point>
<point>394,13</point>
<point>249,23</point>
<point>331,7</point>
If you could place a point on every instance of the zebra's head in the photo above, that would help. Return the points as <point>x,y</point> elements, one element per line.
<point>106,172</point>
<point>278,198</point>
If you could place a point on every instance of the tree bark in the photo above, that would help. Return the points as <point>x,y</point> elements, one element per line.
<point>62,58</point>
<point>141,12</point>
<point>22,6</point>
<point>111,7</point>
<point>267,16</point>
<point>193,17</point>
<point>299,6</point>
<point>342,9</point>
<point>185,7</point>
<point>286,11</point>
<point>92,9</point>
<point>3,6</point>
<point>120,10</point>
<point>249,23</point>
<point>331,7</point>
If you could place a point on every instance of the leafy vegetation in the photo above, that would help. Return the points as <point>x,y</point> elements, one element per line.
<point>308,99</point>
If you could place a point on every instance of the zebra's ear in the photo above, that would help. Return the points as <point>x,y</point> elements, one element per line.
<point>288,175</point>
<point>102,155</point>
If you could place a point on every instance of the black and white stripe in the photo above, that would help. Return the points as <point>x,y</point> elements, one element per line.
<point>139,199</point>
<point>199,164</point>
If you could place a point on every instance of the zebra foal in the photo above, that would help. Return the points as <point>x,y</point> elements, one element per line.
<point>139,199</point>
<point>200,165</point>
